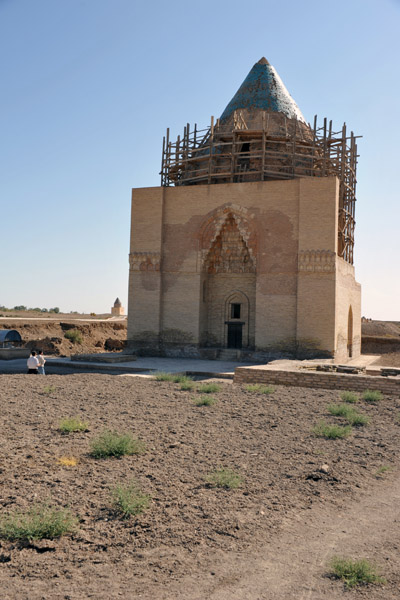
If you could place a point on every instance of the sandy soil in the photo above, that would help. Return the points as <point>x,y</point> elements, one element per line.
<point>49,335</point>
<point>269,539</point>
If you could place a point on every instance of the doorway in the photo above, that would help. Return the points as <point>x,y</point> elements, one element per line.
<point>235,335</point>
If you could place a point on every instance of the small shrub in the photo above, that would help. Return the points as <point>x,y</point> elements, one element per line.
<point>224,478</point>
<point>258,388</point>
<point>331,432</point>
<point>349,397</point>
<point>161,376</point>
<point>357,419</point>
<point>205,401</point>
<point>354,572</point>
<point>187,384</point>
<point>72,424</point>
<point>349,413</point>
<point>49,389</point>
<point>383,469</point>
<point>111,443</point>
<point>129,500</point>
<point>40,521</point>
<point>74,336</point>
<point>68,461</point>
<point>372,395</point>
<point>208,388</point>
<point>177,378</point>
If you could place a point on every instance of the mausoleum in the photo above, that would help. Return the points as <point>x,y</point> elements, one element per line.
<point>246,248</point>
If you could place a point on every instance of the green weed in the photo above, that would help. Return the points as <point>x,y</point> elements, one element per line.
<point>208,388</point>
<point>74,336</point>
<point>72,424</point>
<point>224,478</point>
<point>205,401</point>
<point>349,413</point>
<point>174,377</point>
<point>355,572</point>
<point>161,376</point>
<point>111,443</point>
<point>383,469</point>
<point>40,521</point>
<point>331,432</point>
<point>372,395</point>
<point>129,500</point>
<point>349,397</point>
<point>49,389</point>
<point>258,388</point>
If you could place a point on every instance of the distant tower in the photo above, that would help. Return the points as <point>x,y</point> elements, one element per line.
<point>117,310</point>
<point>248,243</point>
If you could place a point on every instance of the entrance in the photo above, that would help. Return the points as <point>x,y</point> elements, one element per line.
<point>235,335</point>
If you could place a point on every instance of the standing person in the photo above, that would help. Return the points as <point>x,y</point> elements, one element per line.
<point>41,360</point>
<point>33,364</point>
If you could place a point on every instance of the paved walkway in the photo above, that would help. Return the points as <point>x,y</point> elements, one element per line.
<point>143,365</point>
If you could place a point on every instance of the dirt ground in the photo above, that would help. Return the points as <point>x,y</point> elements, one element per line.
<point>49,335</point>
<point>270,539</point>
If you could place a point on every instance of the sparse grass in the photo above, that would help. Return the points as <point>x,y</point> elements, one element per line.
<point>174,377</point>
<point>187,384</point>
<point>74,336</point>
<point>355,572</point>
<point>258,388</point>
<point>72,424</point>
<point>397,419</point>
<point>349,413</point>
<point>372,395</point>
<point>129,500</point>
<point>112,443</point>
<point>49,389</point>
<point>349,397</point>
<point>224,478</point>
<point>161,376</point>
<point>331,432</point>
<point>40,521</point>
<point>184,379</point>
<point>205,401</point>
<point>383,469</point>
<point>208,388</point>
<point>68,461</point>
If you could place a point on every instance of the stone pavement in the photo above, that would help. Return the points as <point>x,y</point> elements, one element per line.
<point>143,365</point>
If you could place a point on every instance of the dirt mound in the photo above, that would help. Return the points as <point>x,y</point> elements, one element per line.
<point>381,328</point>
<point>52,335</point>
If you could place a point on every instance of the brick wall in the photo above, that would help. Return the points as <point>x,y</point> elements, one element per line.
<point>316,379</point>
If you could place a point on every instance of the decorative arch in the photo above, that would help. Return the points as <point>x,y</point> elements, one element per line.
<point>229,252</point>
<point>237,297</point>
<point>214,223</point>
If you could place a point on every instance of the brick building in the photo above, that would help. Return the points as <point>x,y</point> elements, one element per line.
<point>247,245</point>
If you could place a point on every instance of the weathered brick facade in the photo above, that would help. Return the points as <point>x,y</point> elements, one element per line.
<point>269,246</point>
<point>252,247</point>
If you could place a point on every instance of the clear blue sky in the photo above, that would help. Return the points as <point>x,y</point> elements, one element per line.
<point>88,88</point>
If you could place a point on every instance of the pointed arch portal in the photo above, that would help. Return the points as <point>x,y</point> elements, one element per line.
<point>229,283</point>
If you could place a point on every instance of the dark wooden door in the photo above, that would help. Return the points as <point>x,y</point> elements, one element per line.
<point>235,335</point>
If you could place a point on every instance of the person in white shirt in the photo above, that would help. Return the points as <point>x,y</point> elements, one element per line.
<point>41,360</point>
<point>33,364</point>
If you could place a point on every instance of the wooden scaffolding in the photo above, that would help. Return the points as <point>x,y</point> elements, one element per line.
<point>270,147</point>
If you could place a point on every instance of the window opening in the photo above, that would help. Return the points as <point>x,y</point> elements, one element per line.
<point>235,311</point>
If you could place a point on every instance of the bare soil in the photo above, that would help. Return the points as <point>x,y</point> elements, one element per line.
<point>271,538</point>
<point>49,335</point>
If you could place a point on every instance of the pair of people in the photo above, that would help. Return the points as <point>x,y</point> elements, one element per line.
<point>36,363</point>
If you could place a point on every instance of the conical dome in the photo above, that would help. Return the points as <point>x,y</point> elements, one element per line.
<point>263,90</point>
<point>117,303</point>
